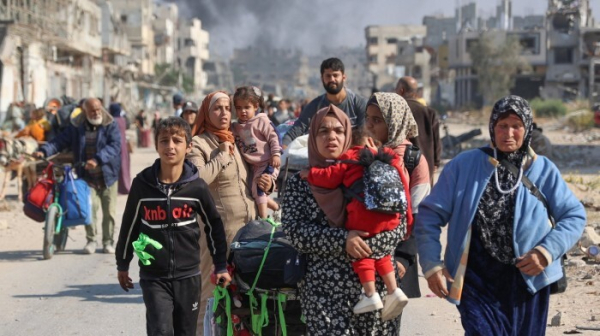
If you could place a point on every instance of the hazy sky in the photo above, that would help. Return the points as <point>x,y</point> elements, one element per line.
<point>309,24</point>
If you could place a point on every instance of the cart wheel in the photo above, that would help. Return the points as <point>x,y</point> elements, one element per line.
<point>51,218</point>
<point>60,240</point>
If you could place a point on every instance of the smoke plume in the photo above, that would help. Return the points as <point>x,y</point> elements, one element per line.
<point>310,24</point>
<point>304,24</point>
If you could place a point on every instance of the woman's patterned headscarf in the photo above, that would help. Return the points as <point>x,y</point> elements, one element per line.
<point>398,117</point>
<point>522,109</point>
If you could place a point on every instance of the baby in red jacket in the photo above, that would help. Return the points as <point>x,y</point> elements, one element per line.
<point>345,172</point>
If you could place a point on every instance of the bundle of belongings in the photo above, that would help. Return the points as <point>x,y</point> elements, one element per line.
<point>262,299</point>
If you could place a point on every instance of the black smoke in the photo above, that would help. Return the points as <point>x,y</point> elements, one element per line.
<point>310,24</point>
<point>290,24</point>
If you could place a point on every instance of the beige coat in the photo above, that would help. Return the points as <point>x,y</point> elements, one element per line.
<point>227,177</point>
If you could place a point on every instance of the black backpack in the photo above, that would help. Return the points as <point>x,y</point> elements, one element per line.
<point>412,157</point>
<point>264,258</point>
<point>381,184</point>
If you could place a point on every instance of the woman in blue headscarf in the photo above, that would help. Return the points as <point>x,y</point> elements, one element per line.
<point>125,173</point>
<point>502,252</point>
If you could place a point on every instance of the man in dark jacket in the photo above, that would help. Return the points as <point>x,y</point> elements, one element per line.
<point>333,77</point>
<point>95,140</point>
<point>429,127</point>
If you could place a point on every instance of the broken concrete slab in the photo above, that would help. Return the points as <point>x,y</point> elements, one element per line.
<point>555,320</point>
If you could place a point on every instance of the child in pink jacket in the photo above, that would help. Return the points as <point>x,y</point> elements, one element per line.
<point>257,141</point>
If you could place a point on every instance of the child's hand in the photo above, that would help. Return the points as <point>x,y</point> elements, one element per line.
<point>275,161</point>
<point>125,280</point>
<point>304,174</point>
<point>223,279</point>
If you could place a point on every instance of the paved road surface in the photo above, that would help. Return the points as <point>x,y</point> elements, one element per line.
<point>76,294</point>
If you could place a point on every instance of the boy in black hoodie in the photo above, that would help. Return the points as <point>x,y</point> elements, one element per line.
<point>160,225</point>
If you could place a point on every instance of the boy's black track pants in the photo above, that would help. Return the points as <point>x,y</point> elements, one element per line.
<point>171,306</point>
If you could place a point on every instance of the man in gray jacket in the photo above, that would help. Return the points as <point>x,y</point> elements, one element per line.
<point>333,77</point>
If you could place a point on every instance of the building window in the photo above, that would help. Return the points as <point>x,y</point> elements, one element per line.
<point>392,40</point>
<point>124,18</point>
<point>417,72</point>
<point>529,45</point>
<point>470,43</point>
<point>372,41</point>
<point>390,59</point>
<point>373,59</point>
<point>563,55</point>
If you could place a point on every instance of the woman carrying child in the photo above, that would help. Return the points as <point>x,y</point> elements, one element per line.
<point>349,172</point>
<point>330,286</point>
<point>221,166</point>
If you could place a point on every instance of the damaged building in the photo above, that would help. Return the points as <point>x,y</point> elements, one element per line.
<point>573,51</point>
<point>49,48</point>
<point>96,48</point>
<point>562,53</point>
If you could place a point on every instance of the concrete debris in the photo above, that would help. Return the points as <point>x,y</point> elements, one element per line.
<point>3,224</point>
<point>587,277</point>
<point>555,321</point>
<point>576,263</point>
<point>589,237</point>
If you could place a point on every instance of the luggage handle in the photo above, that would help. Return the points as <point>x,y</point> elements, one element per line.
<point>259,321</point>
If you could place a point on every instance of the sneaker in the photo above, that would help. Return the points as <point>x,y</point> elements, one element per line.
<point>108,249</point>
<point>368,304</point>
<point>394,305</point>
<point>90,248</point>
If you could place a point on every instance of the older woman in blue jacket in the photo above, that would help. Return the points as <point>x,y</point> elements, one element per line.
<point>502,252</point>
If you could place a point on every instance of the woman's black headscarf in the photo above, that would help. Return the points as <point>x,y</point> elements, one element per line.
<point>521,108</point>
<point>496,210</point>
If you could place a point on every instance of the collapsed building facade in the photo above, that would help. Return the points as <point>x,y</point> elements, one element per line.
<point>49,48</point>
<point>563,53</point>
<point>95,48</point>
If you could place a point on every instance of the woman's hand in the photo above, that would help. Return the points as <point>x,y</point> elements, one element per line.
<point>356,246</point>
<point>532,263</point>
<point>265,182</point>
<point>226,147</point>
<point>370,143</point>
<point>437,284</point>
<point>401,269</point>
